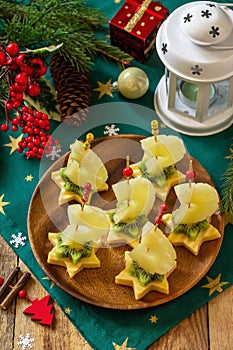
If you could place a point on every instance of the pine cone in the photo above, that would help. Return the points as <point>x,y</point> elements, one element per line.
<point>73,90</point>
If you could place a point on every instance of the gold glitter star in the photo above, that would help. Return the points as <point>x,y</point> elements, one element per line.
<point>123,346</point>
<point>29,178</point>
<point>14,143</point>
<point>104,89</point>
<point>214,284</point>
<point>153,319</point>
<point>67,310</point>
<point>2,204</point>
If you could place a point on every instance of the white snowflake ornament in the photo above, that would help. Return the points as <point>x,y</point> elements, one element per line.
<point>25,342</point>
<point>55,153</point>
<point>111,130</point>
<point>18,240</point>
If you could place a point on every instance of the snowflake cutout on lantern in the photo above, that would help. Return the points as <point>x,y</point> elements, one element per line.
<point>26,341</point>
<point>111,130</point>
<point>164,48</point>
<point>196,70</point>
<point>214,31</point>
<point>211,5</point>
<point>18,240</point>
<point>206,13</point>
<point>187,18</point>
<point>55,153</point>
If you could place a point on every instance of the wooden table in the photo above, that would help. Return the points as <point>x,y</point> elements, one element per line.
<point>209,328</point>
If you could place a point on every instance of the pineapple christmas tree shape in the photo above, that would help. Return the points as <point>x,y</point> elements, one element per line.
<point>41,311</point>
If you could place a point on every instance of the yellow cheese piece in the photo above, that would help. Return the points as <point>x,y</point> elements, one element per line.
<point>72,269</point>
<point>124,278</point>
<point>180,239</point>
<point>173,180</point>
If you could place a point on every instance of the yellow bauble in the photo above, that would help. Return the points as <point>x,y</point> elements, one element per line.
<point>133,83</point>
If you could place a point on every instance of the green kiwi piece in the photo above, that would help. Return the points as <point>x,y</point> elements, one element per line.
<point>143,277</point>
<point>192,230</point>
<point>74,254</point>
<point>69,185</point>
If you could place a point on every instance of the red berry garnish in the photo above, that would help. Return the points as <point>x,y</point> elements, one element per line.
<point>163,207</point>
<point>22,294</point>
<point>12,49</point>
<point>190,175</point>
<point>158,220</point>
<point>87,186</point>
<point>1,281</point>
<point>127,172</point>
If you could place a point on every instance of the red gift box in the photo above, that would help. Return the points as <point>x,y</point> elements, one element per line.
<point>134,27</point>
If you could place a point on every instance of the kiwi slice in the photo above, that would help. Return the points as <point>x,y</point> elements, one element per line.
<point>69,185</point>
<point>133,228</point>
<point>143,277</point>
<point>192,230</point>
<point>74,254</point>
<point>159,179</point>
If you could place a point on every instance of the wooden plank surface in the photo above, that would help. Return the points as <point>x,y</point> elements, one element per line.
<point>209,328</point>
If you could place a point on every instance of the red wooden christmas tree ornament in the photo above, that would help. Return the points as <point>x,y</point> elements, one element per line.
<point>41,311</point>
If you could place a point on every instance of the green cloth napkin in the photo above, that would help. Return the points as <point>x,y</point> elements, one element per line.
<point>103,327</point>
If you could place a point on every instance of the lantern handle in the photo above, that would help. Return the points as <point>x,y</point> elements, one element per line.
<point>227,4</point>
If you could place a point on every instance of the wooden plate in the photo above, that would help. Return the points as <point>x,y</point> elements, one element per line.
<point>97,286</point>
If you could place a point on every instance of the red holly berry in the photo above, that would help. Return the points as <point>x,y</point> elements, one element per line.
<point>21,78</point>
<point>22,294</point>
<point>3,58</point>
<point>33,90</point>
<point>12,49</point>
<point>4,127</point>
<point>127,172</point>
<point>1,281</point>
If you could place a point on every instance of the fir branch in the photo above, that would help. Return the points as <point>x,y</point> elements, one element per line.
<point>227,185</point>
<point>55,22</point>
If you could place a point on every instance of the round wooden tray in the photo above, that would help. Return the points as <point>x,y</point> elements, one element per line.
<point>97,286</point>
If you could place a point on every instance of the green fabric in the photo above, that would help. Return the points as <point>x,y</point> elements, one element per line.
<point>100,326</point>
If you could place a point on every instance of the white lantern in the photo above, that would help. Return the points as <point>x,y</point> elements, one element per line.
<point>195,43</point>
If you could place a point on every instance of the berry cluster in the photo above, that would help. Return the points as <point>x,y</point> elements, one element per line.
<point>86,192</point>
<point>34,124</point>
<point>22,74</point>
<point>163,209</point>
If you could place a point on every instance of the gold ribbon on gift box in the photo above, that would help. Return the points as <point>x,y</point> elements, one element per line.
<point>138,15</point>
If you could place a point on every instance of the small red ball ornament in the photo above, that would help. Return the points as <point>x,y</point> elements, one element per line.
<point>190,175</point>
<point>127,172</point>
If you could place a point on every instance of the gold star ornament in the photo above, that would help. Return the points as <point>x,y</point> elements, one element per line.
<point>14,143</point>
<point>104,89</point>
<point>123,346</point>
<point>2,204</point>
<point>214,284</point>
